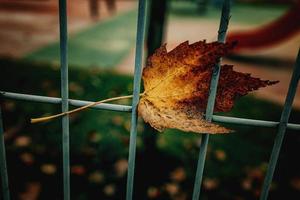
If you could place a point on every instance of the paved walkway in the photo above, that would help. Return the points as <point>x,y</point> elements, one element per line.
<point>26,27</point>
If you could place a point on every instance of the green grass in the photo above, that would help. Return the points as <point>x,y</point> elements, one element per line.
<point>103,45</point>
<point>99,139</point>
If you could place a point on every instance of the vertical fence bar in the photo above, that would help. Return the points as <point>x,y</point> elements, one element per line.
<point>140,37</point>
<point>281,129</point>
<point>3,166</point>
<point>211,101</point>
<point>64,95</point>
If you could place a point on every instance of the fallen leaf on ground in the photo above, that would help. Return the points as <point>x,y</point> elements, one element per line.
<point>177,83</point>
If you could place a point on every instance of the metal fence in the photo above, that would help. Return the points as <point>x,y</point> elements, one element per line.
<point>281,126</point>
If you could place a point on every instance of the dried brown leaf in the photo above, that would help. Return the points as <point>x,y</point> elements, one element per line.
<point>177,85</point>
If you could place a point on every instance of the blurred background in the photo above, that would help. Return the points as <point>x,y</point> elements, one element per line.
<point>101,59</point>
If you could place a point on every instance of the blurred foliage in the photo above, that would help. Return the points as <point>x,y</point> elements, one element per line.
<point>235,165</point>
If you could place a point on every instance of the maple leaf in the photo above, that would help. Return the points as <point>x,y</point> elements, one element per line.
<point>177,86</point>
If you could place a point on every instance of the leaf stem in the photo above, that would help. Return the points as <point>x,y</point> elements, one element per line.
<point>48,118</point>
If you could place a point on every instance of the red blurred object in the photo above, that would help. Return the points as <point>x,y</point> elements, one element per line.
<point>78,170</point>
<point>270,34</point>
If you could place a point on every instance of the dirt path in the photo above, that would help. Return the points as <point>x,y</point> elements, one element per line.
<point>26,26</point>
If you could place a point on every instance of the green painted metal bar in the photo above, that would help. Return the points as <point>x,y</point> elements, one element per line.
<point>211,101</point>
<point>252,122</point>
<point>73,102</point>
<point>3,165</point>
<point>124,108</point>
<point>140,37</point>
<point>281,129</point>
<point>64,95</point>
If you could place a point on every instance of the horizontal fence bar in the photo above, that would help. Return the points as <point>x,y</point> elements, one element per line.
<point>252,122</point>
<point>124,108</point>
<point>55,100</point>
